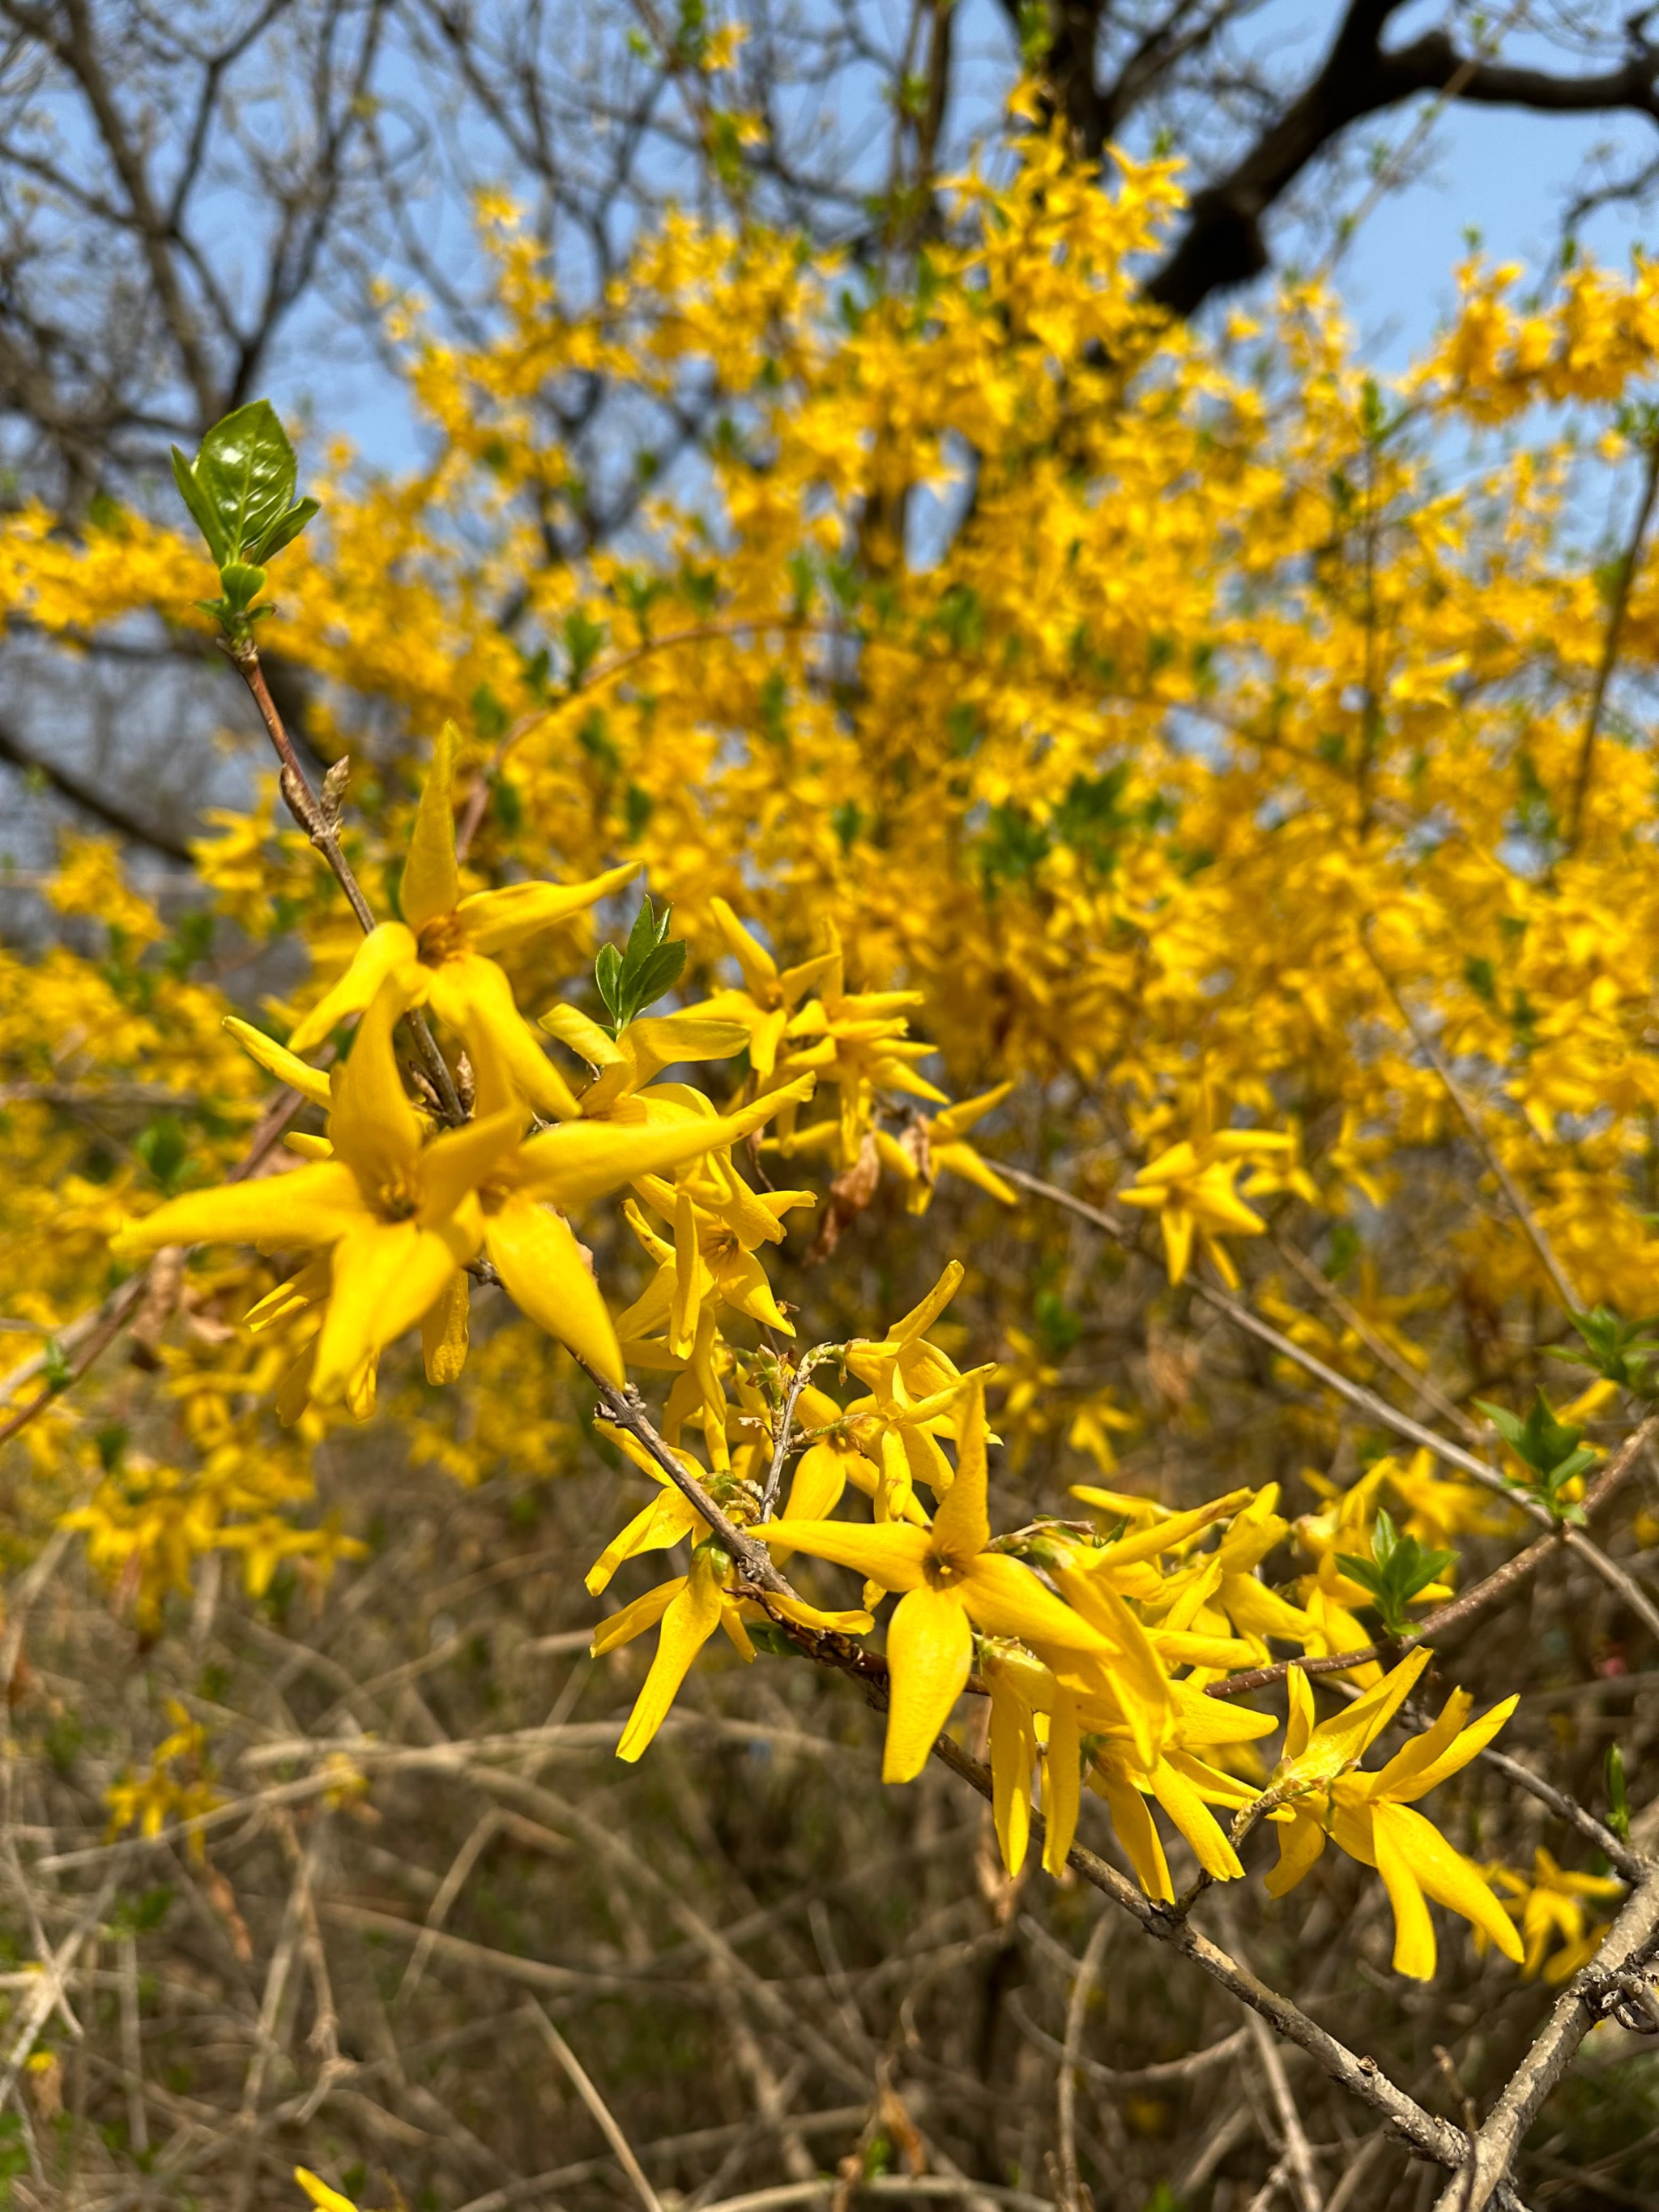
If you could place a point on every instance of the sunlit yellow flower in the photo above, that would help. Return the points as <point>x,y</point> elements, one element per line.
<point>399,1218</point>
<point>1369,1815</point>
<point>1552,1909</point>
<point>951,1584</point>
<point>436,955</point>
<point>1191,1188</point>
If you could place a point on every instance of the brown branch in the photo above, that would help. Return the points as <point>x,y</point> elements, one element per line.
<point>1626,1945</point>
<point>1224,243</point>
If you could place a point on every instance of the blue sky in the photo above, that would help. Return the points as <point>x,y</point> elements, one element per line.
<point>1502,173</point>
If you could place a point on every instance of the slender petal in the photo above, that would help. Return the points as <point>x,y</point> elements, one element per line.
<point>1301,1841</point>
<point>386,1273</point>
<point>582,1160</point>
<point>634,1620</point>
<point>1403,1780</point>
<point>456,1163</point>
<point>656,1527</point>
<point>313,1206</point>
<point>473,996</point>
<point>277,1059</point>
<point>492,921</point>
<point>386,953</point>
<point>1444,1874</point>
<point>930,1651</point>
<point>1413,1931</point>
<point>430,886</point>
<point>660,1041</point>
<point>760,969</point>
<point>1136,1830</point>
<point>1176,1793</point>
<point>1014,1752</point>
<point>893,1554</point>
<point>687,1625</point>
<point>1004,1595</point>
<point>372,1127</point>
<point>962,1527</point>
<point>1064,1769</point>
<point>547,1278</point>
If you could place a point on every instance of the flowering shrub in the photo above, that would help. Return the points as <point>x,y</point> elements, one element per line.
<point>1036,735</point>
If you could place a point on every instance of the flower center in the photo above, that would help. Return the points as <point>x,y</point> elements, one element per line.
<point>439,941</point>
<point>940,1571</point>
<point>396,1200</point>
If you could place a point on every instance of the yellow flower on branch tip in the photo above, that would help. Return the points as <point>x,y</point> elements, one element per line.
<point>436,955</point>
<point>400,1218</point>
<point>950,1584</point>
<point>1369,1815</point>
<point>769,996</point>
<point>1190,1186</point>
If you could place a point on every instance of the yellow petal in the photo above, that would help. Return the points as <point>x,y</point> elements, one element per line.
<point>1413,1931</point>
<point>1444,1874</point>
<point>455,1164</point>
<point>536,1253</point>
<point>893,1554</point>
<point>846,1623</point>
<point>312,1206</point>
<point>473,996</point>
<point>1421,1765</point>
<point>930,1653</point>
<point>660,1041</point>
<point>687,1625</point>
<point>819,1478</point>
<point>962,1527</point>
<point>634,1620</point>
<point>492,921</point>
<point>760,969</point>
<point>277,1059</point>
<point>1013,1751</point>
<point>326,2199</point>
<point>385,1276</point>
<point>662,1522</point>
<point>1301,1840</point>
<point>1182,1801</point>
<point>1064,1769</point>
<point>387,954</point>
<point>1136,1830</point>
<point>582,1160</point>
<point>1005,1596</point>
<point>430,886</point>
<point>372,1125</point>
<point>444,1332</point>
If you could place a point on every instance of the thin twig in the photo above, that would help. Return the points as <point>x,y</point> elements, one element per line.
<point>1083,1982</point>
<point>601,2111</point>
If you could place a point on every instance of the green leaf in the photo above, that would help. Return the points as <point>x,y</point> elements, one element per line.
<point>635,979</point>
<point>287,528</point>
<point>200,507</point>
<point>55,1366</point>
<point>246,472</point>
<point>1397,1569</point>
<point>607,973</point>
